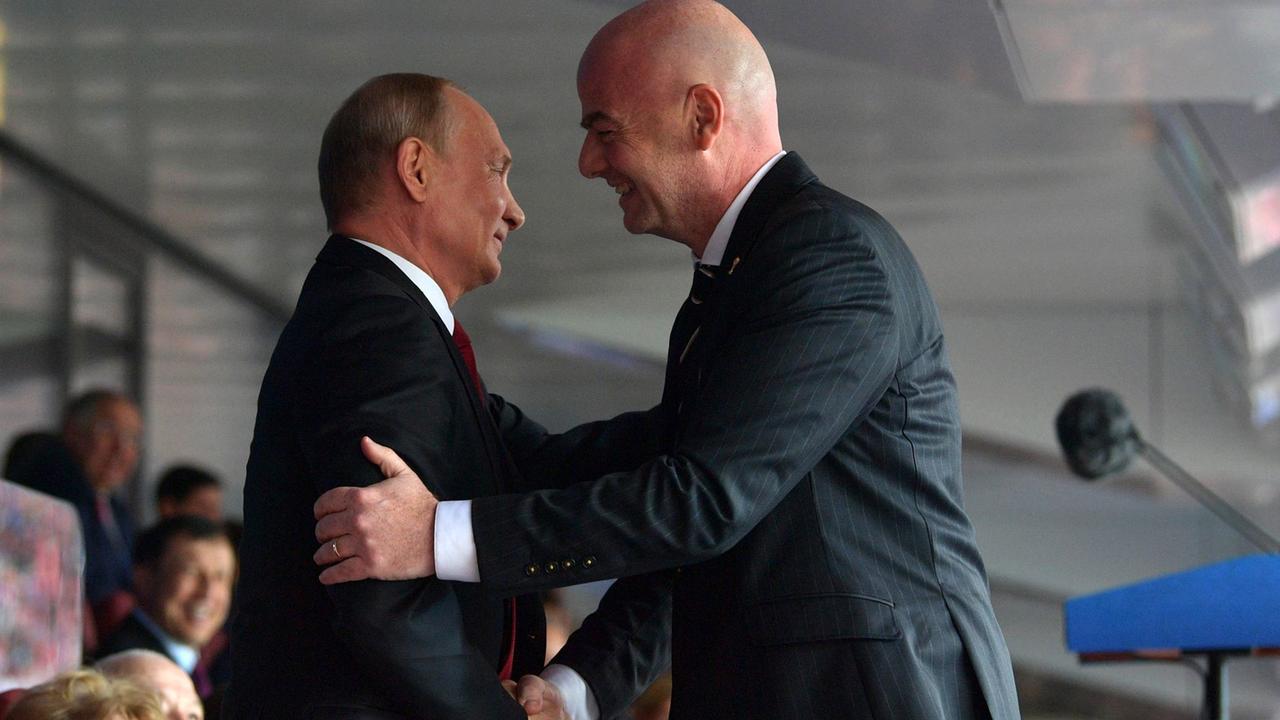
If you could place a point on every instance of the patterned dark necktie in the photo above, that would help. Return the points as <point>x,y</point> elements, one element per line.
<point>463,341</point>
<point>689,321</point>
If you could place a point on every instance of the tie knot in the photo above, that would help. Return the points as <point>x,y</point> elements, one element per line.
<point>703,278</point>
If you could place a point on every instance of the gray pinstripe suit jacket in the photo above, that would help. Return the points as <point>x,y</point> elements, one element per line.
<point>803,529</point>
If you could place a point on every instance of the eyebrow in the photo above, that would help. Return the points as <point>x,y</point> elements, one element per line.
<point>592,118</point>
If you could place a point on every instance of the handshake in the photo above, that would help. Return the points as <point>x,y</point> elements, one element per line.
<point>540,699</point>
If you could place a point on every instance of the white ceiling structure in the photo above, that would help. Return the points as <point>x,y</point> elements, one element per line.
<point>1007,141</point>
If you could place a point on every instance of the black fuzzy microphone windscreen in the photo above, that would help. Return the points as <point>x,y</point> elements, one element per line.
<point>1096,434</point>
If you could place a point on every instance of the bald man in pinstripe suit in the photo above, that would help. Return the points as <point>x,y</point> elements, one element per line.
<point>802,528</point>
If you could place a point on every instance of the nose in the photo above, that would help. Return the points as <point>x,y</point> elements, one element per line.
<point>514,215</point>
<point>591,158</point>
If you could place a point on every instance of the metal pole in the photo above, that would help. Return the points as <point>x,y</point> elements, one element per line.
<point>1216,505</point>
<point>1216,704</point>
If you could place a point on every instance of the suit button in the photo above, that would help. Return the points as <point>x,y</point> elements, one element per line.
<point>568,563</point>
<point>589,561</point>
<point>551,567</point>
<point>531,569</point>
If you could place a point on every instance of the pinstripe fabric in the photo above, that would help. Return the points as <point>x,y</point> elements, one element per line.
<point>809,494</point>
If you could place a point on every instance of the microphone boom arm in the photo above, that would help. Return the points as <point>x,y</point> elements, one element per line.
<point>1216,505</point>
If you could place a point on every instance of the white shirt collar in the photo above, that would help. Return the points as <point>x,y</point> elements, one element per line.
<point>418,277</point>
<point>713,254</point>
<point>184,655</point>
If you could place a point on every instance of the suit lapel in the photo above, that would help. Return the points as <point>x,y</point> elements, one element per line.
<point>341,250</point>
<point>691,344</point>
<point>786,178</point>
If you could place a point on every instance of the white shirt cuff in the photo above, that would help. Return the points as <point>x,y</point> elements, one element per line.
<point>579,701</point>
<point>455,542</point>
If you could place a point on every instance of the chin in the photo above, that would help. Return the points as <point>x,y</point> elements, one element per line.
<point>635,226</point>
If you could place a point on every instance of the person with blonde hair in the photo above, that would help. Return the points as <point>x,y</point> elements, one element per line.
<point>87,695</point>
<point>156,672</point>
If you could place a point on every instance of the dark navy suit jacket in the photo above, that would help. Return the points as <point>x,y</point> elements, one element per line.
<point>802,530</point>
<point>365,354</point>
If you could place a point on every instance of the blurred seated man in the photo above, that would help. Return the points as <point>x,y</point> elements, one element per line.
<point>87,695</point>
<point>183,571</point>
<point>189,490</point>
<point>157,673</point>
<point>96,453</point>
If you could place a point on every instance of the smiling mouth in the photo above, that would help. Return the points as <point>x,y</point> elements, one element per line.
<point>200,614</point>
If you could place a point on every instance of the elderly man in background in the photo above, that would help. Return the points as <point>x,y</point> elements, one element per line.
<point>804,522</point>
<point>95,454</point>
<point>183,575</point>
<point>153,671</point>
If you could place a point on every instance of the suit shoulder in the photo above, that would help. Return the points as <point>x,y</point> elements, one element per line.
<point>328,286</point>
<point>350,316</point>
<point>337,301</point>
<point>820,212</point>
<point>131,635</point>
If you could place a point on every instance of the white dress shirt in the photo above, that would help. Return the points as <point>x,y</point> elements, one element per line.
<point>455,540</point>
<point>579,700</point>
<point>420,278</point>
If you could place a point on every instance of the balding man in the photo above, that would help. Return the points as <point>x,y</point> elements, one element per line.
<point>805,514</point>
<point>93,457</point>
<point>413,179</point>
<point>157,673</point>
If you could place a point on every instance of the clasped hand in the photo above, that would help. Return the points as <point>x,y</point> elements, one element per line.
<point>540,699</point>
<point>384,531</point>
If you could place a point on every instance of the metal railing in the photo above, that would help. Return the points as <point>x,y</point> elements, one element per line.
<point>148,236</point>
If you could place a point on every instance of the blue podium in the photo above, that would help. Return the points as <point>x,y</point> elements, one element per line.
<point>1218,611</point>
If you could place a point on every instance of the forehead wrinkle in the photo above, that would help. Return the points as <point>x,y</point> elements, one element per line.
<point>594,117</point>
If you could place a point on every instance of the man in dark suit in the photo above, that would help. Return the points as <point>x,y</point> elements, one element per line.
<point>183,570</point>
<point>93,457</point>
<point>413,178</point>
<point>805,516</point>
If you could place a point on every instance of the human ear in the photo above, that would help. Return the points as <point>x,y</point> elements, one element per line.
<point>707,110</point>
<point>413,165</point>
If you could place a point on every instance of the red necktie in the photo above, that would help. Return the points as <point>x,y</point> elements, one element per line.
<point>463,341</point>
<point>107,518</point>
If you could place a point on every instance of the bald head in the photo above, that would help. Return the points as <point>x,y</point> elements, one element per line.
<point>159,674</point>
<point>662,48</point>
<point>681,110</point>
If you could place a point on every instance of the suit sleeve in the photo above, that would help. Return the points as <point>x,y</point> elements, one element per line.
<point>381,370</point>
<point>813,349</point>
<point>625,644</point>
<point>582,453</point>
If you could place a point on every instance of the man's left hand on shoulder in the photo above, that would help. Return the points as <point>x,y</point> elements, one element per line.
<point>385,531</point>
